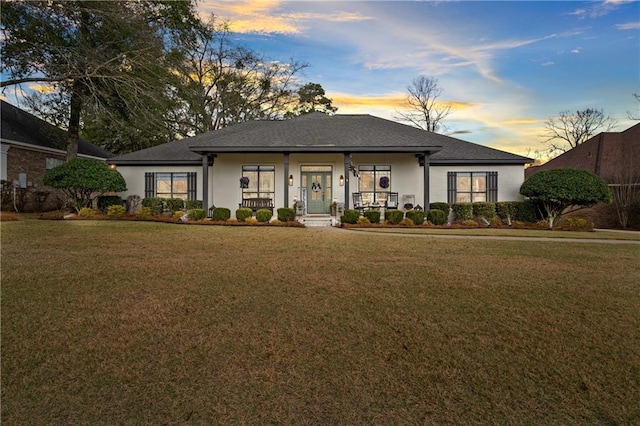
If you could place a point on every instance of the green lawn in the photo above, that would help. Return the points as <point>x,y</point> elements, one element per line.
<point>115,322</point>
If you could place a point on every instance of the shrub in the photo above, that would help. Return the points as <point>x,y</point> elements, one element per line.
<point>104,201</point>
<point>54,215</point>
<point>506,210</point>
<point>440,206</point>
<point>484,209</point>
<point>264,215</point>
<point>416,216</point>
<point>578,223</point>
<point>470,222</point>
<point>363,220</point>
<point>393,216</point>
<point>252,220</point>
<point>155,205</point>
<point>143,213</point>
<point>115,212</point>
<point>220,213</point>
<point>173,204</point>
<point>462,211</point>
<point>177,215</point>
<point>243,213</point>
<point>196,214</point>
<point>286,214</point>
<point>373,216</point>
<point>350,216</point>
<point>526,211</point>
<point>406,222</point>
<point>437,217</point>
<point>192,204</point>
<point>86,213</point>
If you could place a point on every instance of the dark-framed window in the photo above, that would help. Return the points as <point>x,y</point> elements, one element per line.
<point>170,185</point>
<point>472,187</point>
<point>262,182</point>
<point>369,183</point>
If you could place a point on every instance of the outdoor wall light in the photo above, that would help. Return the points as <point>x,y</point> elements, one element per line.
<point>341,180</point>
<point>112,166</point>
<point>290,180</point>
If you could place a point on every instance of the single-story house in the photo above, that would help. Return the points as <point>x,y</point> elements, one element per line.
<point>29,147</point>
<point>320,159</point>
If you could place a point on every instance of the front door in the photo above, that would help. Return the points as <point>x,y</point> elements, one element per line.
<point>319,191</point>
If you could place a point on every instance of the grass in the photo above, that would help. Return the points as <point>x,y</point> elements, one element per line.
<point>109,322</point>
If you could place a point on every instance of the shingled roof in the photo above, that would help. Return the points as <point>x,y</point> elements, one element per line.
<point>320,133</point>
<point>24,128</point>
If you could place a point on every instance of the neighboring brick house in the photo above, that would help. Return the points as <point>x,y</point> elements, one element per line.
<point>614,156</point>
<point>29,147</point>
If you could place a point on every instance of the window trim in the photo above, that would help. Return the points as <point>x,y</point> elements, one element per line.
<point>259,169</point>
<point>151,187</point>
<point>491,186</point>
<point>378,170</point>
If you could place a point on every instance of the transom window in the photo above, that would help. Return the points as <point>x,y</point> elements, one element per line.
<point>370,184</point>
<point>261,182</point>
<point>472,187</point>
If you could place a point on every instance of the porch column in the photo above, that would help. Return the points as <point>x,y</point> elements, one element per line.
<point>346,180</point>
<point>286,179</point>
<point>205,181</point>
<point>426,181</point>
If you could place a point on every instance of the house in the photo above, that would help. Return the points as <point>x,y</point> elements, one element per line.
<point>318,159</point>
<point>614,156</point>
<point>29,147</point>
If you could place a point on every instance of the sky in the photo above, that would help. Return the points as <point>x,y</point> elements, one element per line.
<point>505,66</point>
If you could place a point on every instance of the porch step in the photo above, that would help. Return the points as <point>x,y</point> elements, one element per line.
<point>317,220</point>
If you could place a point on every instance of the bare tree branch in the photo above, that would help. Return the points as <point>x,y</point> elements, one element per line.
<point>567,130</point>
<point>426,112</point>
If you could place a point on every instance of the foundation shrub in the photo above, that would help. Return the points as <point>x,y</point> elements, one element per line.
<point>252,220</point>
<point>264,215</point>
<point>177,215</point>
<point>373,216</point>
<point>417,216</point>
<point>220,213</point>
<point>363,220</point>
<point>440,206</point>
<point>104,201</point>
<point>173,204</point>
<point>192,204</point>
<point>196,214</point>
<point>484,209</point>
<point>116,211</point>
<point>350,216</point>
<point>406,222</point>
<point>506,210</point>
<point>462,211</point>
<point>470,222</point>
<point>86,213</point>
<point>54,215</point>
<point>286,214</point>
<point>393,216</point>
<point>243,213</point>
<point>143,213</point>
<point>437,217</point>
<point>155,204</point>
<point>526,211</point>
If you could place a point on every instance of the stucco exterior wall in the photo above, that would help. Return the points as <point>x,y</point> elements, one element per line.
<point>406,176</point>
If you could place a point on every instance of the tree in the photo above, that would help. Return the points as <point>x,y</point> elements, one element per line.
<point>636,115</point>
<point>83,179</point>
<point>569,130</point>
<point>559,189</point>
<point>311,98</point>
<point>114,57</point>
<point>426,111</point>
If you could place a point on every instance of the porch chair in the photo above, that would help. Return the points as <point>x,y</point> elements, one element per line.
<point>392,201</point>
<point>358,204</point>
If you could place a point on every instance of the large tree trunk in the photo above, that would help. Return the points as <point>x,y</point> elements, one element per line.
<point>73,134</point>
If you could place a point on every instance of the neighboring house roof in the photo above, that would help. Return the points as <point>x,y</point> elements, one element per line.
<point>605,154</point>
<point>320,133</point>
<point>21,128</point>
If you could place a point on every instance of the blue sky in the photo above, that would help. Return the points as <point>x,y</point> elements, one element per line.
<point>505,66</point>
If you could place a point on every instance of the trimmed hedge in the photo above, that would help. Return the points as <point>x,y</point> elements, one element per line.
<point>416,216</point>
<point>286,214</point>
<point>350,216</point>
<point>394,216</point>
<point>462,211</point>
<point>197,214</point>
<point>437,217</point>
<point>484,209</point>
<point>243,213</point>
<point>173,205</point>
<point>192,204</point>
<point>104,201</point>
<point>220,213</point>
<point>373,216</point>
<point>155,204</point>
<point>264,215</point>
<point>440,206</point>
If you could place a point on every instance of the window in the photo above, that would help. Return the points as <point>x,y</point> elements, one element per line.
<point>472,187</point>
<point>261,182</point>
<point>369,183</point>
<point>170,185</point>
<point>53,162</point>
